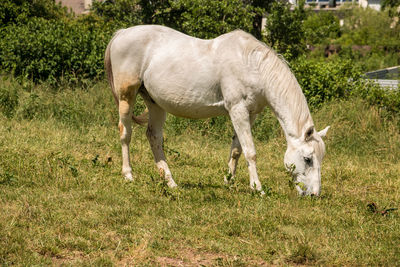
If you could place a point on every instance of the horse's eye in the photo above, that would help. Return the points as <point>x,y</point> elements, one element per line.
<point>308,161</point>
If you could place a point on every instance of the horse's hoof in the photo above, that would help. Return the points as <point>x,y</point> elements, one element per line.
<point>128,177</point>
<point>228,180</point>
<point>172,184</point>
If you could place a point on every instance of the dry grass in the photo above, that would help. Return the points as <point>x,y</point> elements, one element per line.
<point>64,202</point>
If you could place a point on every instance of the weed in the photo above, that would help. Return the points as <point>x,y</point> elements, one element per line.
<point>303,255</point>
<point>7,178</point>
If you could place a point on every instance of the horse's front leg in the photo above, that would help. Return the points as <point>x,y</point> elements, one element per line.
<point>242,121</point>
<point>154,134</point>
<point>234,155</point>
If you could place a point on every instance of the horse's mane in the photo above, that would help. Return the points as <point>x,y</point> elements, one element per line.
<point>276,75</point>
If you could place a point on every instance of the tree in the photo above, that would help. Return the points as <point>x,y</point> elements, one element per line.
<point>208,19</point>
<point>319,28</point>
<point>121,12</point>
<point>284,30</point>
<point>18,11</point>
<point>392,6</point>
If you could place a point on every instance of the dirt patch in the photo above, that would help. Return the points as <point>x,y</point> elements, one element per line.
<point>190,257</point>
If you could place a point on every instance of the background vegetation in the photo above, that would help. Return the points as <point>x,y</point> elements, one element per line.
<point>62,198</point>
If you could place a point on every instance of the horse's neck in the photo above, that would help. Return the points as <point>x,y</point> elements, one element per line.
<point>289,105</point>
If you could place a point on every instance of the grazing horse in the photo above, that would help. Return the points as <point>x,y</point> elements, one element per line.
<point>233,74</point>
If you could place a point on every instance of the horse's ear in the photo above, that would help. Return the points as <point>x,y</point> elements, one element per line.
<point>308,134</point>
<point>324,131</point>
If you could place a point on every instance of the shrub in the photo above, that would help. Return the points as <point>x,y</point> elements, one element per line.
<point>8,101</point>
<point>123,13</point>
<point>370,27</point>
<point>340,79</point>
<point>199,18</point>
<point>208,19</point>
<point>323,81</point>
<point>19,11</point>
<point>284,31</point>
<point>320,28</point>
<point>388,101</point>
<point>53,49</point>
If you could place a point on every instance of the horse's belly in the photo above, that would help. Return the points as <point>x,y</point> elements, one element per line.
<point>186,90</point>
<point>187,102</point>
<point>194,112</point>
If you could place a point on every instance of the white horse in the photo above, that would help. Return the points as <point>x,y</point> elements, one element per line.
<point>233,74</point>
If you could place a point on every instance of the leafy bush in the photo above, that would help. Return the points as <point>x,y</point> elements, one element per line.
<point>123,13</point>
<point>340,79</point>
<point>323,81</point>
<point>199,18</point>
<point>368,37</point>
<point>369,60</point>
<point>8,101</point>
<point>388,101</point>
<point>53,49</point>
<point>284,31</point>
<point>320,28</point>
<point>208,19</point>
<point>370,27</point>
<point>19,11</point>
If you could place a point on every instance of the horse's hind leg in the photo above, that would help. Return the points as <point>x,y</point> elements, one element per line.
<point>126,93</point>
<point>154,134</point>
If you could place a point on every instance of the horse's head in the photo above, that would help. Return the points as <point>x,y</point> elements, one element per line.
<point>303,159</point>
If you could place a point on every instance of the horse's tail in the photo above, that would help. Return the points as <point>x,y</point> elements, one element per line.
<point>140,119</point>
<point>108,69</point>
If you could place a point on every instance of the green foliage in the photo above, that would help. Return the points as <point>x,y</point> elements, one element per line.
<point>8,101</point>
<point>324,81</point>
<point>159,12</point>
<point>208,19</point>
<point>123,13</point>
<point>374,30</point>
<point>19,11</point>
<point>370,27</point>
<point>392,6</point>
<point>388,101</point>
<point>321,28</point>
<point>369,60</point>
<point>368,37</point>
<point>390,3</point>
<point>53,49</point>
<point>200,18</point>
<point>284,31</point>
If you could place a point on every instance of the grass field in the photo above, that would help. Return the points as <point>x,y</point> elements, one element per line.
<point>63,200</point>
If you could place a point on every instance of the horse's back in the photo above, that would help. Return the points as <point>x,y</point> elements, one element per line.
<point>182,74</point>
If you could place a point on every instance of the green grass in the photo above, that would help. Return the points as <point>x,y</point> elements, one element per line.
<point>63,200</point>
